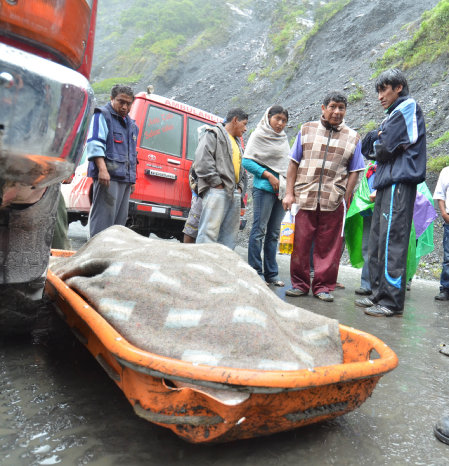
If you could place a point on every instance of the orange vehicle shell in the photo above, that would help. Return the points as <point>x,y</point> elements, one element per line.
<point>160,388</point>
<point>61,31</point>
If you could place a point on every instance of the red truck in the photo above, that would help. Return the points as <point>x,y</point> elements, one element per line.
<point>46,102</point>
<point>168,137</point>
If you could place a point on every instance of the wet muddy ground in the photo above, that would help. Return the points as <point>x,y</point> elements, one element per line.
<point>57,405</point>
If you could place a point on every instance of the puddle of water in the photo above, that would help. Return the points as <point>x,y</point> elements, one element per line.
<point>58,406</point>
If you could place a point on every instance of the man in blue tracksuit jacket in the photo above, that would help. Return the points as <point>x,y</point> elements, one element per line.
<point>399,147</point>
<point>112,154</point>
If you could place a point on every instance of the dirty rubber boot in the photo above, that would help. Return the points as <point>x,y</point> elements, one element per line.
<point>441,429</point>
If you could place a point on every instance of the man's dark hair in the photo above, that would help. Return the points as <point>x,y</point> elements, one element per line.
<point>394,78</point>
<point>335,96</point>
<point>121,89</point>
<point>236,112</point>
<point>276,109</point>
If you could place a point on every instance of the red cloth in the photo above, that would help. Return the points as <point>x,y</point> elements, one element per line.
<point>324,228</point>
<point>371,171</point>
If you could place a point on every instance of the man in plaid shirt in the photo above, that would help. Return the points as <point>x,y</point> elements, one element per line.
<point>326,160</point>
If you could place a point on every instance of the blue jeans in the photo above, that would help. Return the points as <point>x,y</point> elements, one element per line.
<point>268,214</point>
<point>220,218</point>
<point>444,279</point>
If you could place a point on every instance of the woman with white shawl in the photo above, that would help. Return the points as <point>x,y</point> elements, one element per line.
<point>266,157</point>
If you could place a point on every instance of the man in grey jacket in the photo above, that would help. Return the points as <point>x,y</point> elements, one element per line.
<point>218,165</point>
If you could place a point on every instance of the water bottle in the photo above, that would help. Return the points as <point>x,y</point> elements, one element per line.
<point>287,234</point>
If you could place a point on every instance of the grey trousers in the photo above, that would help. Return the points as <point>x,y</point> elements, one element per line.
<point>109,206</point>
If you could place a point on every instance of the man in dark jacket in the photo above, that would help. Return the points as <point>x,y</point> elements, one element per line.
<point>399,147</point>
<point>218,165</point>
<point>112,154</point>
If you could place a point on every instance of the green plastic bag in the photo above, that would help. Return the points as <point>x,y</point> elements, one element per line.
<point>361,205</point>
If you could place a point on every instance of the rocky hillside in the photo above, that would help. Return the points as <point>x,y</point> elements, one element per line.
<point>254,53</point>
<point>261,58</point>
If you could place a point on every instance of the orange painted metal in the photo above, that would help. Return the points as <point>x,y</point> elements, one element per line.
<point>276,401</point>
<point>63,28</point>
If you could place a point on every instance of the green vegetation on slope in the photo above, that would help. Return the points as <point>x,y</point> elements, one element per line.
<point>162,29</point>
<point>166,32</point>
<point>357,95</point>
<point>285,25</point>
<point>103,87</point>
<point>436,164</point>
<point>441,140</point>
<point>369,126</point>
<point>289,33</point>
<point>429,42</point>
<point>322,15</point>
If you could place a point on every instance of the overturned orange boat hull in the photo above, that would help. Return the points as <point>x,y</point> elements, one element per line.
<point>180,395</point>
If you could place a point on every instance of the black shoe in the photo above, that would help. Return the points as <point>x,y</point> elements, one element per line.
<point>441,429</point>
<point>363,302</point>
<point>275,282</point>
<point>362,291</point>
<point>443,296</point>
<point>381,311</point>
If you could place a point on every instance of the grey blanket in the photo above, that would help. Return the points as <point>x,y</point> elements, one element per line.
<point>198,303</point>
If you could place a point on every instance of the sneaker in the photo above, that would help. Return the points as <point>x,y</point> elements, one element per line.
<point>443,296</point>
<point>363,302</point>
<point>381,311</point>
<point>275,282</point>
<point>324,296</point>
<point>441,429</point>
<point>362,291</point>
<point>295,292</point>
